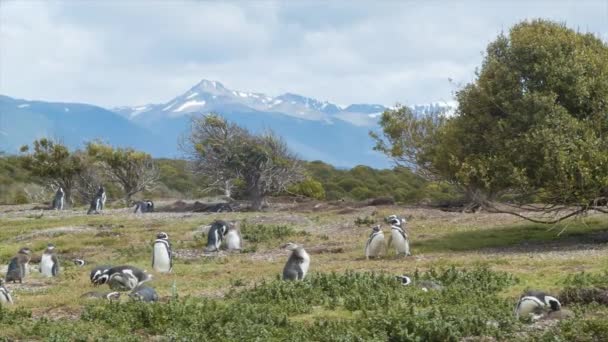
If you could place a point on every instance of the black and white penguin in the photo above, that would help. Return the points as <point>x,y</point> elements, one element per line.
<point>536,304</point>
<point>399,238</point>
<point>144,294</point>
<point>375,243</point>
<point>145,206</point>
<point>17,267</point>
<point>425,285</point>
<point>123,278</point>
<point>98,202</point>
<point>79,262</point>
<point>298,263</point>
<point>58,200</point>
<point>162,258</point>
<point>102,295</point>
<point>49,264</point>
<point>216,236</point>
<point>232,237</point>
<point>5,294</point>
<point>97,272</point>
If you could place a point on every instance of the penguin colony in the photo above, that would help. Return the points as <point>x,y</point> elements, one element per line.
<point>533,305</point>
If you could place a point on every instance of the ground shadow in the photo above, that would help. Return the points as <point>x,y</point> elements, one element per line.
<point>519,239</point>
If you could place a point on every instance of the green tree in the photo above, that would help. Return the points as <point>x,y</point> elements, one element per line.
<point>53,162</point>
<point>308,188</point>
<point>533,124</point>
<point>228,155</point>
<point>134,171</point>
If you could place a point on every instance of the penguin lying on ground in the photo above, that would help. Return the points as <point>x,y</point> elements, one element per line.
<point>102,295</point>
<point>123,278</point>
<point>17,267</point>
<point>78,262</point>
<point>162,258</point>
<point>425,285</point>
<point>144,294</point>
<point>5,294</point>
<point>49,264</point>
<point>298,263</point>
<point>375,243</point>
<point>536,304</point>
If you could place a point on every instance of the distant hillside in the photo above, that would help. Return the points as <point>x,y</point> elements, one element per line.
<point>315,130</point>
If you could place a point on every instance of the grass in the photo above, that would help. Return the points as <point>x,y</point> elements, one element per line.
<point>358,299</point>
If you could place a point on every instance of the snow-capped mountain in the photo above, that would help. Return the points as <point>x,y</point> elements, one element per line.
<point>313,129</point>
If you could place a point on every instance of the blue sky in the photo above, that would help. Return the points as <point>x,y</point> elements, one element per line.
<point>134,52</point>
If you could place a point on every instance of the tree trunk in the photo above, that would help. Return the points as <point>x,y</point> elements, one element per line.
<point>67,198</point>
<point>227,189</point>
<point>257,200</point>
<point>128,199</point>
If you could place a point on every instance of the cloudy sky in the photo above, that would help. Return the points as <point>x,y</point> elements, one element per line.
<point>133,52</point>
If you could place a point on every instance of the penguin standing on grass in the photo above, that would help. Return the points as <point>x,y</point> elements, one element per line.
<point>49,264</point>
<point>375,243</point>
<point>216,236</point>
<point>399,238</point>
<point>536,304</point>
<point>17,268</point>
<point>5,294</point>
<point>162,258</point>
<point>298,263</point>
<point>58,200</point>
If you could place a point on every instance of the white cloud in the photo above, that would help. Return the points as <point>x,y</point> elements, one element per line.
<point>136,52</point>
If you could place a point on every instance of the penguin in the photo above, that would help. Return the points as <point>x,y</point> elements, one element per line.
<point>5,294</point>
<point>144,294</point>
<point>298,263</point>
<point>425,285</point>
<point>216,236</point>
<point>17,268</point>
<point>102,196</point>
<point>58,200</point>
<point>375,243</point>
<point>536,304</point>
<point>232,238</point>
<point>98,202</point>
<point>102,295</point>
<point>123,278</point>
<point>49,264</point>
<point>97,272</point>
<point>162,258</point>
<point>399,238</point>
<point>145,206</point>
<point>78,262</point>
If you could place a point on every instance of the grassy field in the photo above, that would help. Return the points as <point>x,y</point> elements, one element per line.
<point>485,261</point>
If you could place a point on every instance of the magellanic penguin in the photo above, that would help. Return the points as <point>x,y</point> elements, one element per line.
<point>375,243</point>
<point>123,278</point>
<point>232,237</point>
<point>536,304</point>
<point>162,259</point>
<point>399,237</point>
<point>97,272</point>
<point>5,294</point>
<point>17,268</point>
<point>298,263</point>
<point>79,262</point>
<point>102,295</point>
<point>58,200</point>
<point>216,236</point>
<point>49,264</point>
<point>144,294</point>
<point>145,206</point>
<point>102,196</point>
<point>424,285</point>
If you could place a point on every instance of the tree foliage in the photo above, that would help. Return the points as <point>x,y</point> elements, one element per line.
<point>134,171</point>
<point>533,124</point>
<point>53,162</point>
<point>229,155</point>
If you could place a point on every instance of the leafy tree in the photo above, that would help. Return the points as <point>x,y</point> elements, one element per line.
<point>53,162</point>
<point>228,154</point>
<point>533,124</point>
<point>134,171</point>
<point>308,188</point>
